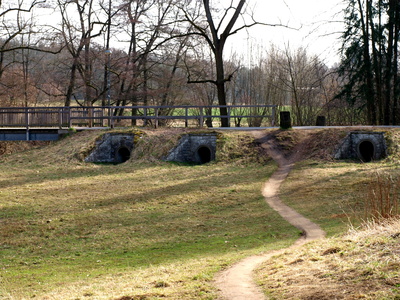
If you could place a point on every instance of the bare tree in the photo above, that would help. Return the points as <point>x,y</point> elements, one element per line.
<point>173,63</point>
<point>215,30</point>
<point>21,40</point>
<point>148,28</point>
<point>337,110</point>
<point>78,31</point>
<point>302,77</point>
<point>199,62</point>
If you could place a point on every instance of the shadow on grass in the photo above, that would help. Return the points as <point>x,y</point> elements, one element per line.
<point>161,224</point>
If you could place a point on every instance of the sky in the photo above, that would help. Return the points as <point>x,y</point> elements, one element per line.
<point>314,24</point>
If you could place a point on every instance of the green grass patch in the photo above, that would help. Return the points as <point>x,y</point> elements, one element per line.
<point>332,194</point>
<point>72,230</point>
<point>148,229</point>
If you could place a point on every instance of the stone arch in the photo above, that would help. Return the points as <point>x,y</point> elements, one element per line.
<point>363,146</point>
<point>195,148</point>
<point>366,150</point>
<point>112,148</point>
<point>123,154</point>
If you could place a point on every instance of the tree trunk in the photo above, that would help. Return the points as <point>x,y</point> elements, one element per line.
<point>396,88</point>
<point>220,83</point>
<point>389,64</point>
<point>368,75</point>
<point>71,84</point>
<point>217,43</point>
<point>377,67</point>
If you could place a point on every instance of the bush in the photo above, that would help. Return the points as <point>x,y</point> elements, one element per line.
<point>382,200</point>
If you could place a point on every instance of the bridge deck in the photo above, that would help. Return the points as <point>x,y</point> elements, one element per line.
<point>47,123</point>
<point>31,134</point>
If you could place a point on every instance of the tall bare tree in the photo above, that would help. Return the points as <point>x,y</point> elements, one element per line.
<point>20,38</point>
<point>305,75</point>
<point>215,31</point>
<point>78,30</point>
<point>147,28</point>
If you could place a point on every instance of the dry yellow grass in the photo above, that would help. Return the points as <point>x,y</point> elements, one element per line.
<point>144,230</point>
<point>72,230</point>
<point>363,264</point>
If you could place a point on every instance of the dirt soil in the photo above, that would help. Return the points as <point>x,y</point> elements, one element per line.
<point>286,148</point>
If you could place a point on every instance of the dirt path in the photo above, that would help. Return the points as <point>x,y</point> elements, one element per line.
<point>236,283</point>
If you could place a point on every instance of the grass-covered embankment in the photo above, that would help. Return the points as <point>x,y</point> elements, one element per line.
<point>153,230</point>
<point>362,263</point>
<point>74,230</point>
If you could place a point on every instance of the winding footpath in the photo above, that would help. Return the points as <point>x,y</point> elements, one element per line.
<point>236,283</point>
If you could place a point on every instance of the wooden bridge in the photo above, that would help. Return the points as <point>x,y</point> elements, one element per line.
<point>30,119</point>
<point>104,116</point>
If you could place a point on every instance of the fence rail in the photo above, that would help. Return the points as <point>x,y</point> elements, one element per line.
<point>109,116</point>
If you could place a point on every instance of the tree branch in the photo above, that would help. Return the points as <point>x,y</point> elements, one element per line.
<point>228,28</point>
<point>33,4</point>
<point>32,48</point>
<point>263,24</point>
<point>202,81</point>
<point>210,21</point>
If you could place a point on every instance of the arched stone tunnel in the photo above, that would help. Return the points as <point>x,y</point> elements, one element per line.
<point>112,148</point>
<point>363,146</point>
<point>197,148</point>
<point>192,148</point>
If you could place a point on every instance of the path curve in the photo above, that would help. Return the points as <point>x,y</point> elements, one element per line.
<point>236,282</point>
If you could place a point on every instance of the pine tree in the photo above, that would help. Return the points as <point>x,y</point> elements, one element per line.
<point>370,58</point>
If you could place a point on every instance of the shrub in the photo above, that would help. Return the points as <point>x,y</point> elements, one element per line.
<point>382,200</point>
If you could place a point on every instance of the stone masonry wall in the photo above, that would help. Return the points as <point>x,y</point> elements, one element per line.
<point>189,145</point>
<point>106,149</point>
<point>350,147</point>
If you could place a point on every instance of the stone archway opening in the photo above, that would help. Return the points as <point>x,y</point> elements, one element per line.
<point>194,148</point>
<point>366,151</point>
<point>123,154</point>
<point>363,146</point>
<point>204,154</point>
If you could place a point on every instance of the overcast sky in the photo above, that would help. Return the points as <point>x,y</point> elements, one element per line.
<point>316,25</point>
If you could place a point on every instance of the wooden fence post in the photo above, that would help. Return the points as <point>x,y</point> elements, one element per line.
<point>60,118</point>
<point>273,116</point>
<point>156,119</point>
<point>69,119</point>
<point>229,116</point>
<point>186,117</point>
<point>201,121</point>
<point>145,116</point>
<point>27,123</point>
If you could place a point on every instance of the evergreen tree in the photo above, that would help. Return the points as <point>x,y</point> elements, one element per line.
<point>370,58</point>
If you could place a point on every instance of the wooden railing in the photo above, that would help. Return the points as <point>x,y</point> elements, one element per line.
<point>109,116</point>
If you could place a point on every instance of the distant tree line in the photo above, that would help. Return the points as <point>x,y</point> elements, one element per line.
<point>370,59</point>
<point>170,52</point>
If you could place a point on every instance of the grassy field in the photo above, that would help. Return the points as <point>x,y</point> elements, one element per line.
<point>361,264</point>
<point>339,190</point>
<point>73,230</point>
<point>153,230</point>
<point>360,258</point>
